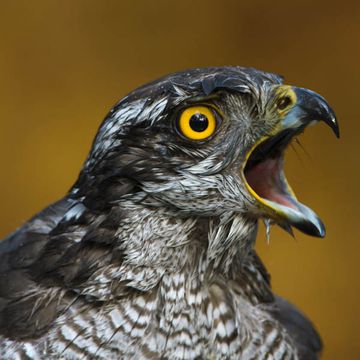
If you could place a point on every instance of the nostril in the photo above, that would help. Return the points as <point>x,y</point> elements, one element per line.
<point>284,102</point>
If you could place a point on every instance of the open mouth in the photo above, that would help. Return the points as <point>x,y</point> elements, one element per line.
<point>265,179</point>
<point>263,172</point>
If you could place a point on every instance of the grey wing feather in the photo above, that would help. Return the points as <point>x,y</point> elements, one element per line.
<point>307,339</point>
<point>19,291</point>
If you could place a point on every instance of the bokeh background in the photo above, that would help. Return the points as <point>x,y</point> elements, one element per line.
<point>64,63</point>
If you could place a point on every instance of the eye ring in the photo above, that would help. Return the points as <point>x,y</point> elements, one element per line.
<point>197,122</point>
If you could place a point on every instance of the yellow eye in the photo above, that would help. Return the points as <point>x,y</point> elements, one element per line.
<point>197,122</point>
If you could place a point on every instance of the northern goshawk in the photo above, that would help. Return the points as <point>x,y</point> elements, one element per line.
<point>151,253</point>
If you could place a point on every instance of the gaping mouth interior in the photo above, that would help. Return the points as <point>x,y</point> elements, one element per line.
<point>264,170</point>
<point>265,179</point>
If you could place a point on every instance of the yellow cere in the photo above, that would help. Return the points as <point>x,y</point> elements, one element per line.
<point>186,120</point>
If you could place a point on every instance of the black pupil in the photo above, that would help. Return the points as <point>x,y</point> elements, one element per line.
<point>199,122</point>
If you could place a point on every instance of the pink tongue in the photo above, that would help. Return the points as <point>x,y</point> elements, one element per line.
<point>265,179</point>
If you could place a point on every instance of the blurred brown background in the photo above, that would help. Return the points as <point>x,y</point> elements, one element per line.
<point>63,64</point>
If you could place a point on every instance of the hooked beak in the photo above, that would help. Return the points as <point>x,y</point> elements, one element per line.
<point>263,169</point>
<point>310,108</point>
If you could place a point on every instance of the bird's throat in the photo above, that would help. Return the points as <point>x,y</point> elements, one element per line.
<point>154,240</point>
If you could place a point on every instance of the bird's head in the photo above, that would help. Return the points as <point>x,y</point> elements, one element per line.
<point>205,142</point>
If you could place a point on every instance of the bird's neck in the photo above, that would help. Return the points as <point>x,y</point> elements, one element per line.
<point>158,241</point>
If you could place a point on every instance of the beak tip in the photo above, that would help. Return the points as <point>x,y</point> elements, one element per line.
<point>308,222</point>
<point>315,107</point>
<point>322,232</point>
<point>318,229</point>
<point>337,132</point>
<point>332,122</point>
